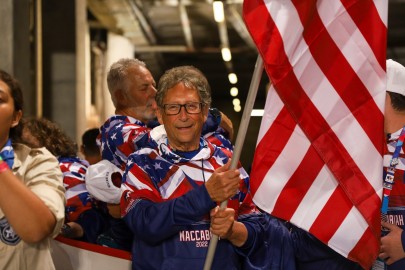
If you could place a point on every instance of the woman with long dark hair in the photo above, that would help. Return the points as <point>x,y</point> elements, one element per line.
<point>31,190</point>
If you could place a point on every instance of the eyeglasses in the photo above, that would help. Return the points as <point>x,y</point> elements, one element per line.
<point>191,108</point>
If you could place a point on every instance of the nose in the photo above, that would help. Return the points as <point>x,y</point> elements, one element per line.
<point>153,104</point>
<point>183,113</point>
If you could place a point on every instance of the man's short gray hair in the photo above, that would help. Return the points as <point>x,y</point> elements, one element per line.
<point>190,76</point>
<point>117,75</point>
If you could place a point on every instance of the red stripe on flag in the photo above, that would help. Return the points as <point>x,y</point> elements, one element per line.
<point>339,205</point>
<point>366,17</point>
<point>267,35</point>
<point>270,147</point>
<point>367,240</point>
<point>298,185</point>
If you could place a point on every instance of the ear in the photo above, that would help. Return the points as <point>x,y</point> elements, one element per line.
<point>16,118</point>
<point>120,97</point>
<point>205,112</point>
<point>159,115</point>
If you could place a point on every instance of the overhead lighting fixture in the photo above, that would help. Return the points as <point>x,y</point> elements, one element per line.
<point>234,91</point>
<point>257,112</point>
<point>218,7</point>
<point>237,108</point>
<point>236,102</point>
<point>232,78</point>
<point>226,54</point>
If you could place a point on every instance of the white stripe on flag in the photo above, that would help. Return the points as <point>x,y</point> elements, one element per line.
<point>353,223</point>
<point>382,7</point>
<point>282,170</point>
<point>272,101</point>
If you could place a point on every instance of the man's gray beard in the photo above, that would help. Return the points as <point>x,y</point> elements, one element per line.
<point>148,116</point>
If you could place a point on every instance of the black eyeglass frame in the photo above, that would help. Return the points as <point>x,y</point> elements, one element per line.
<point>179,106</point>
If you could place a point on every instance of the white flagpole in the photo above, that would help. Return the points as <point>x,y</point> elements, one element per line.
<point>254,85</point>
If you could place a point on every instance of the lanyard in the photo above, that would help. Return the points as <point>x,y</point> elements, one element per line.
<point>389,177</point>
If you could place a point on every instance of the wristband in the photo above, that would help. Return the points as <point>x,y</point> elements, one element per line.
<point>3,166</point>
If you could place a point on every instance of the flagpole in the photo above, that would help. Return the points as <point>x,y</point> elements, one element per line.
<point>254,85</point>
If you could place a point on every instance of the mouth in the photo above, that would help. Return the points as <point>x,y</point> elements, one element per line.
<point>184,127</point>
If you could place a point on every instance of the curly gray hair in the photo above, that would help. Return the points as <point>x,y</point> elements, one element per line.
<point>191,76</point>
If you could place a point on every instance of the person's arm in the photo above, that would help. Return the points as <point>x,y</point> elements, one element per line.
<point>217,122</point>
<point>120,137</point>
<point>22,206</point>
<point>213,121</point>
<point>153,219</point>
<point>128,134</point>
<point>248,231</point>
<point>154,222</point>
<point>392,249</point>
<point>226,124</point>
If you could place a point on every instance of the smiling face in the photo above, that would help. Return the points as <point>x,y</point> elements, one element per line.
<point>9,118</point>
<point>183,129</point>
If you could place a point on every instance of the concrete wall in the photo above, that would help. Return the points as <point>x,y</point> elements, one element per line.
<point>16,52</point>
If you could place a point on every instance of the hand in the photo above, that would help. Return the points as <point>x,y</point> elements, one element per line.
<point>222,221</point>
<point>223,183</point>
<point>224,225</point>
<point>72,230</point>
<point>391,249</point>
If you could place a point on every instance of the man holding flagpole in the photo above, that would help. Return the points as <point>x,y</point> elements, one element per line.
<point>318,160</point>
<point>173,185</point>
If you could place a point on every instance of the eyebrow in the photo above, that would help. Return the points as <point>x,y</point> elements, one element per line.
<point>3,92</point>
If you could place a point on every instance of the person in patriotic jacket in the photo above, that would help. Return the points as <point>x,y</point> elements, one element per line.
<point>31,190</point>
<point>392,249</point>
<point>132,89</point>
<point>84,218</point>
<point>172,187</point>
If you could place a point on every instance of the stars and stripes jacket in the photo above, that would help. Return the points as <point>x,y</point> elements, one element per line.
<point>119,135</point>
<point>166,205</point>
<point>78,198</point>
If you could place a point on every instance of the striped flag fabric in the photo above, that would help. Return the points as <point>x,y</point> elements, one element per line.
<point>318,159</point>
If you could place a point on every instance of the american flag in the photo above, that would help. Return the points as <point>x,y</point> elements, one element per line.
<point>318,161</point>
